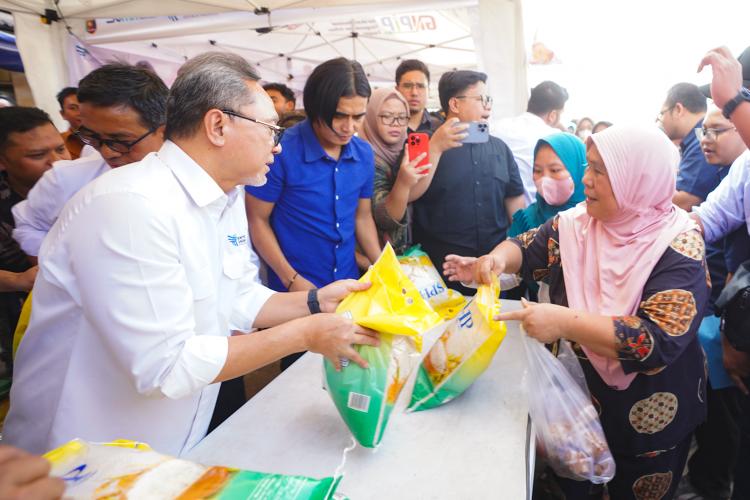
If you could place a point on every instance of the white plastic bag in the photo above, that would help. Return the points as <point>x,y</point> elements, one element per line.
<point>569,435</point>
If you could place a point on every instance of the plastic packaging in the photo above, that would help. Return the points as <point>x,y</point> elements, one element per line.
<point>569,435</point>
<point>462,353</point>
<point>131,470</point>
<point>393,307</point>
<point>422,272</point>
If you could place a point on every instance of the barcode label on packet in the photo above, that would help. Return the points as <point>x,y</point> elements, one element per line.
<point>359,402</point>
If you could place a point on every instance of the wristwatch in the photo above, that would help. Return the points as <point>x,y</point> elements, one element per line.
<point>742,96</point>
<point>312,301</point>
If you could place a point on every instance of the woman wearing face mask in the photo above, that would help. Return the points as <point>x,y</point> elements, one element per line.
<point>398,180</point>
<point>628,285</point>
<point>559,163</point>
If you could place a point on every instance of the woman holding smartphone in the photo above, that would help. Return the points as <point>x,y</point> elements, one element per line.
<point>400,180</point>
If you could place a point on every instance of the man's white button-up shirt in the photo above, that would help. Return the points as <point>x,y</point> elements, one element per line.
<point>142,278</point>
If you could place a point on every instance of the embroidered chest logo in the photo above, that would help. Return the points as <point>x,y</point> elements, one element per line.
<point>237,240</point>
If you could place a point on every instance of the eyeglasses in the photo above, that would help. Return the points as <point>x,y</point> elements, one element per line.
<point>412,86</point>
<point>275,129</point>
<point>486,100</point>
<point>95,141</point>
<point>392,120</point>
<point>711,133</point>
<point>663,112</point>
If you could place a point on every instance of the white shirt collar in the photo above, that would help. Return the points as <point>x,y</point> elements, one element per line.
<point>200,186</point>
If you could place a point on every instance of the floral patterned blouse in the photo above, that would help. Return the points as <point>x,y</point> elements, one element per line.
<point>667,399</point>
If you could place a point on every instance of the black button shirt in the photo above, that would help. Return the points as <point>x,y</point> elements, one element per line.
<point>463,211</point>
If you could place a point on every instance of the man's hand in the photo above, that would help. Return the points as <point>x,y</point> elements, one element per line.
<point>27,476</point>
<point>300,284</point>
<point>727,75</point>
<point>333,336</point>
<point>737,364</point>
<point>448,136</point>
<point>330,296</point>
<point>26,279</point>
<point>544,322</point>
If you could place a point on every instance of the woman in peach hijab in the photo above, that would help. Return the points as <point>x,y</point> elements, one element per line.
<point>628,285</point>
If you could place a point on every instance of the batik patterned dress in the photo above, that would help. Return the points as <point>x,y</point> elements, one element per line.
<point>666,400</point>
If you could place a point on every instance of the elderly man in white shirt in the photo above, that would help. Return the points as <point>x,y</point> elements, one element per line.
<point>146,273</point>
<point>521,133</point>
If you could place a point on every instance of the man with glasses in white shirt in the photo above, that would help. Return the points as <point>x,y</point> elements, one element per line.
<point>146,274</point>
<point>122,114</point>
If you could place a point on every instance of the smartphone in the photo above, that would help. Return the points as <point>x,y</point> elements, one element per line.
<point>418,143</point>
<point>478,132</point>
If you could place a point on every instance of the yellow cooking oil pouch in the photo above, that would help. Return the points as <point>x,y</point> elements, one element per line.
<point>422,272</point>
<point>393,307</point>
<point>462,353</point>
<point>130,470</point>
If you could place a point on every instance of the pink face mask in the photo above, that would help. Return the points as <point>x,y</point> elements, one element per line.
<point>555,191</point>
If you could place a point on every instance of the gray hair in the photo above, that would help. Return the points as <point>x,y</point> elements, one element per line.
<point>212,80</point>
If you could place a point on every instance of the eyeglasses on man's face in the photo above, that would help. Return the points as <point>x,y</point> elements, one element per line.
<point>391,120</point>
<point>485,99</point>
<point>711,133</point>
<point>275,129</point>
<point>94,140</point>
<point>663,112</point>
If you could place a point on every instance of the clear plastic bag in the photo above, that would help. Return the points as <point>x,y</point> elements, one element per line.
<point>569,435</point>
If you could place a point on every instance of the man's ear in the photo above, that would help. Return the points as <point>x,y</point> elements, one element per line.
<point>214,123</point>
<point>159,132</point>
<point>679,109</point>
<point>453,105</point>
<point>552,117</point>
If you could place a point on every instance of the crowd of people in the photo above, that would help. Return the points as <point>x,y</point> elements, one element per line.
<point>167,224</point>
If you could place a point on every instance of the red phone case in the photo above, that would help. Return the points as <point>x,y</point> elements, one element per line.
<point>418,143</point>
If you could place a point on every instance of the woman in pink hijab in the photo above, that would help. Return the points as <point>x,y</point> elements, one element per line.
<point>628,284</point>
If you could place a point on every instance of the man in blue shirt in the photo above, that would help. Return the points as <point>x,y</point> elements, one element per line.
<point>306,220</point>
<point>682,113</point>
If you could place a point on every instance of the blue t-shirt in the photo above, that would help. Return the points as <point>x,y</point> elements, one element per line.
<point>316,199</point>
<point>695,175</point>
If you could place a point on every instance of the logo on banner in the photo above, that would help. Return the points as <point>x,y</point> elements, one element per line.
<point>408,23</point>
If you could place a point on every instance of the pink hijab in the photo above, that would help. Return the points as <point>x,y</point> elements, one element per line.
<point>384,153</point>
<point>606,264</point>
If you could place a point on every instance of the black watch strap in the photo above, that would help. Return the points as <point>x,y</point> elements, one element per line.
<point>742,96</point>
<point>312,301</point>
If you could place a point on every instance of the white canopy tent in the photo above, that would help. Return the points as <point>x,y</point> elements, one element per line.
<point>285,38</point>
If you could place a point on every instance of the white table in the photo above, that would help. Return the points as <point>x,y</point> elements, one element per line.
<point>477,446</point>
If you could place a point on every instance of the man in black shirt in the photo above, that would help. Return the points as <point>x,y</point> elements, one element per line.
<point>29,145</point>
<point>413,82</point>
<point>476,188</point>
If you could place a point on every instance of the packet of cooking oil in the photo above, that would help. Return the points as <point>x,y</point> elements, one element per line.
<point>393,307</point>
<point>462,353</point>
<point>422,272</point>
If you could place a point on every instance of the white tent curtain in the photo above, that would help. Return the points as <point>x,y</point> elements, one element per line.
<point>42,50</point>
<point>499,40</point>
